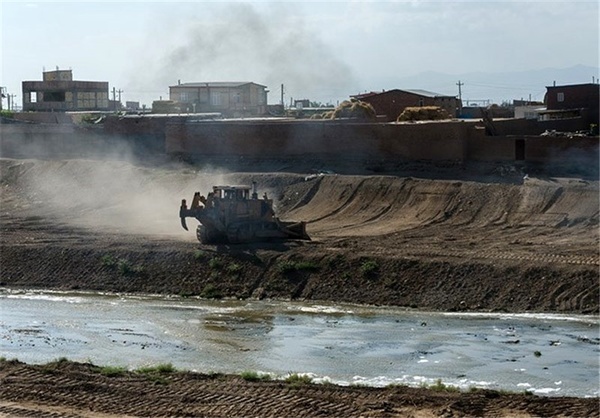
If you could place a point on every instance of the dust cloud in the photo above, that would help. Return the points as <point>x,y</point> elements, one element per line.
<point>236,42</point>
<point>109,196</point>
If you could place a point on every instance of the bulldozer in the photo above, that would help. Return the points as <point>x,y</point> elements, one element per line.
<point>235,215</point>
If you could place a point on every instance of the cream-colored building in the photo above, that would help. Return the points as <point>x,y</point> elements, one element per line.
<point>231,99</point>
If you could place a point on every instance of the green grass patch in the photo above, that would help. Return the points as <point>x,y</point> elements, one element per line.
<point>252,376</point>
<point>215,263</point>
<point>112,371</point>
<point>108,260</point>
<point>298,379</point>
<point>234,268</point>
<point>122,265</point>
<point>200,255</point>
<point>165,368</point>
<point>369,268</point>
<point>210,291</point>
<point>439,386</point>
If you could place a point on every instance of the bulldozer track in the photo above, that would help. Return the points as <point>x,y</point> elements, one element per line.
<point>121,397</point>
<point>432,251</point>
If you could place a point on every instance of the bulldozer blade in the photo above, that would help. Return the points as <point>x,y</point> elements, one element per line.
<point>182,213</point>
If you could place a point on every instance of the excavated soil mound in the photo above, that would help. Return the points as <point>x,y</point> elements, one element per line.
<point>524,244</point>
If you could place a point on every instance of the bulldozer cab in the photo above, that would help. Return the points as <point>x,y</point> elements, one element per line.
<point>232,192</point>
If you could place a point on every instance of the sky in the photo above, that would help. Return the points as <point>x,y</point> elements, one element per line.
<point>321,51</point>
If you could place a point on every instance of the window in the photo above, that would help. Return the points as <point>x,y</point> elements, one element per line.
<point>184,96</point>
<point>560,97</point>
<point>54,96</point>
<point>33,97</point>
<point>215,99</point>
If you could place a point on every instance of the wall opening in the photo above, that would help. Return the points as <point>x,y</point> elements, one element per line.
<point>520,150</point>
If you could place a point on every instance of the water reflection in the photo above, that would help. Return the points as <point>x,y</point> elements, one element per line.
<point>547,354</point>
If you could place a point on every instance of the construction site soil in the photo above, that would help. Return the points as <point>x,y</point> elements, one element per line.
<point>454,238</point>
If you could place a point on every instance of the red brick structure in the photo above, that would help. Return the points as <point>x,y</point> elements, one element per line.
<point>561,99</point>
<point>393,102</point>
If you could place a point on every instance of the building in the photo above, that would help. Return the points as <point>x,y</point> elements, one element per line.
<point>576,100</point>
<point>231,99</point>
<point>59,92</point>
<point>392,103</point>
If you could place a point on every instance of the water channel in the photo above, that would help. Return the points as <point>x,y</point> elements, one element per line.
<point>346,344</point>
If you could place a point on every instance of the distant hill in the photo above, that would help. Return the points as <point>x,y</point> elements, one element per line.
<point>496,87</point>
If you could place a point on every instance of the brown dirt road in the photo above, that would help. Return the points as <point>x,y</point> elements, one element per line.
<point>499,242</point>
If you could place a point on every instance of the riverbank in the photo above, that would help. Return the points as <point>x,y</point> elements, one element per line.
<point>507,244</point>
<point>64,388</point>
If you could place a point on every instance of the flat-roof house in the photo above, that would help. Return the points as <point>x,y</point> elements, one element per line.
<point>231,99</point>
<point>59,92</point>
<point>575,100</point>
<point>392,103</point>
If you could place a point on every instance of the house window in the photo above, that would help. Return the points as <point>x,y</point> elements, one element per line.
<point>560,97</point>
<point>184,96</point>
<point>33,97</point>
<point>421,102</point>
<point>215,99</point>
<point>54,96</point>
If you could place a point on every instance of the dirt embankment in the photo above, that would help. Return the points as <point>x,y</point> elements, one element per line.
<point>64,389</point>
<point>509,243</point>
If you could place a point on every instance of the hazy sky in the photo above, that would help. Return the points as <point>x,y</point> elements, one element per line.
<point>324,51</point>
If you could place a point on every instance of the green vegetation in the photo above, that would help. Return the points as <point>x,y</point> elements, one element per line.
<point>287,266</point>
<point>111,371</point>
<point>234,268</point>
<point>53,365</point>
<point>210,291</point>
<point>7,113</point>
<point>200,255</point>
<point>108,260</point>
<point>252,376</point>
<point>157,373</point>
<point>297,379</point>
<point>439,386</point>
<point>165,368</point>
<point>369,268</point>
<point>215,263</point>
<point>122,265</point>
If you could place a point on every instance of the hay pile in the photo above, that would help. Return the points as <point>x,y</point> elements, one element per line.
<point>423,113</point>
<point>353,109</point>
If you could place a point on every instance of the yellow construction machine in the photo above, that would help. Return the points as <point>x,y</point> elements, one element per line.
<point>235,214</point>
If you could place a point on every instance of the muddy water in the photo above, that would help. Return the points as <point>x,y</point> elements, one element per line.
<point>345,344</point>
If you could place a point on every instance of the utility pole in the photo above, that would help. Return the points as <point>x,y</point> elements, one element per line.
<point>2,95</point>
<point>282,102</point>
<point>11,101</point>
<point>459,84</point>
<point>120,91</point>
